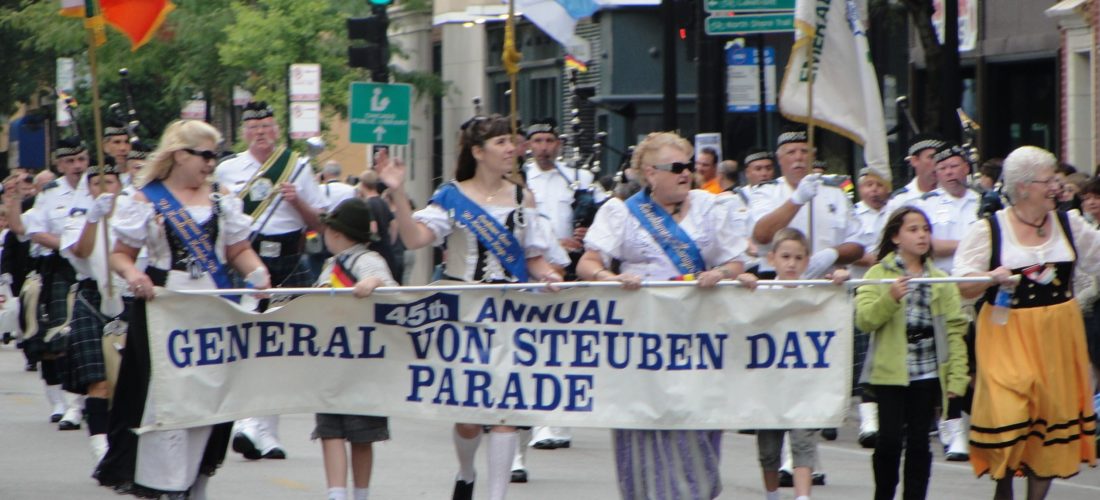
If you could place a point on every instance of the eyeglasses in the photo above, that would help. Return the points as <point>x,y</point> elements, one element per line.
<point>206,155</point>
<point>676,167</point>
<point>1051,182</point>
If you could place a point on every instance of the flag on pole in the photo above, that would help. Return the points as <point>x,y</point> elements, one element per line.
<point>137,19</point>
<point>510,57</point>
<point>94,22</point>
<point>846,96</point>
<point>72,8</point>
<point>557,18</point>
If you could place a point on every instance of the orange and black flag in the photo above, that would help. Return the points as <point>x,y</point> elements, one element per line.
<point>137,19</point>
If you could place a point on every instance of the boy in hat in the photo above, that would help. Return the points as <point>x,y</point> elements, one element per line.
<point>347,235</point>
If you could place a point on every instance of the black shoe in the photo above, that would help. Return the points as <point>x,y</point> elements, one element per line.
<point>818,478</point>
<point>56,417</point>
<point>829,434</point>
<point>957,457</point>
<point>244,446</point>
<point>124,488</point>
<point>30,367</point>
<point>786,480</point>
<point>868,439</point>
<point>276,454</point>
<point>66,425</point>
<point>463,491</point>
<point>748,432</point>
<point>545,444</point>
<point>519,476</point>
<point>562,443</point>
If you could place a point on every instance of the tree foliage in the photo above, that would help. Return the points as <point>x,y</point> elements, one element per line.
<point>205,46</point>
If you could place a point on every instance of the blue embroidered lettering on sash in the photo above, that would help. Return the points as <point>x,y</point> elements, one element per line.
<point>189,232</point>
<point>490,232</point>
<point>677,245</point>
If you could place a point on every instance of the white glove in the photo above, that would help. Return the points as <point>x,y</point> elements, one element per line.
<point>101,207</point>
<point>258,279</point>
<point>820,263</point>
<point>806,189</point>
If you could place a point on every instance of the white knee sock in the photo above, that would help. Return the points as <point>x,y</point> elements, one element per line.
<point>337,494</point>
<point>502,449</point>
<point>198,488</point>
<point>771,495</point>
<point>362,493</point>
<point>466,450</point>
<point>520,462</point>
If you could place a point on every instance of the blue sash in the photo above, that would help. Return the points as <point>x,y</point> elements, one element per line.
<point>188,231</point>
<point>678,246</point>
<point>491,233</point>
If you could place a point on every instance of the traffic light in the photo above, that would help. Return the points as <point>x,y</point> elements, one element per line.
<point>374,54</point>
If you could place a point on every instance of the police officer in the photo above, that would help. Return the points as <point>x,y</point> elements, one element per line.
<point>45,224</point>
<point>921,149</point>
<point>281,195</point>
<point>798,197</point>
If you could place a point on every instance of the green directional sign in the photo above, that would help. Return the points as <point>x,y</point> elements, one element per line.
<point>748,5</point>
<point>757,23</point>
<point>380,113</point>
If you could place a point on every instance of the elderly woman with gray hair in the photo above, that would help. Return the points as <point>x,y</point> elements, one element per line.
<point>1032,410</point>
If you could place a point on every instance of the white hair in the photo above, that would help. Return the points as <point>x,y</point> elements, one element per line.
<point>1021,165</point>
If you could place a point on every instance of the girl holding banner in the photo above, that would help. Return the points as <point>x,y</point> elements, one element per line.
<point>191,229</point>
<point>666,231</point>
<point>493,235</point>
<point>917,358</point>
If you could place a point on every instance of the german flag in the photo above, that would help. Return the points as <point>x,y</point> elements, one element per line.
<point>340,277</point>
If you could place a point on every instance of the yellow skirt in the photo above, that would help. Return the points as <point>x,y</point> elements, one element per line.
<point>1033,410</point>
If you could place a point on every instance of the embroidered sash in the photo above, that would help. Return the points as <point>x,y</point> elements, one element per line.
<point>189,232</point>
<point>257,194</point>
<point>677,245</point>
<point>491,233</point>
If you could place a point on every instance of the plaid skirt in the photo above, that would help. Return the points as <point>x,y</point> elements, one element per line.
<point>86,340</point>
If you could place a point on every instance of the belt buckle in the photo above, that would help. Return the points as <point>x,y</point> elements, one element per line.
<point>270,249</point>
<point>194,269</point>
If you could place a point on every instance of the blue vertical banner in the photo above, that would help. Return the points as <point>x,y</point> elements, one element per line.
<point>743,79</point>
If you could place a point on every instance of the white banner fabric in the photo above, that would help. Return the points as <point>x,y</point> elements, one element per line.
<point>658,358</point>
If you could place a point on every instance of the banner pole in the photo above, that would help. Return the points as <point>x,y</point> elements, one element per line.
<point>810,127</point>
<point>91,11</point>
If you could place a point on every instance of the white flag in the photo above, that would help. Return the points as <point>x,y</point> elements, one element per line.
<point>846,95</point>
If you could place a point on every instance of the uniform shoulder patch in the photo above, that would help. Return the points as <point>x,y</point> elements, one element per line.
<point>77,211</point>
<point>929,195</point>
<point>50,185</point>
<point>900,190</point>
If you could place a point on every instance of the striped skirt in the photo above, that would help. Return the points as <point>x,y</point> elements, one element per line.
<point>1033,410</point>
<point>659,465</point>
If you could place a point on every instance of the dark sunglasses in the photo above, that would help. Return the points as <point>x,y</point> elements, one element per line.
<point>676,167</point>
<point>206,155</point>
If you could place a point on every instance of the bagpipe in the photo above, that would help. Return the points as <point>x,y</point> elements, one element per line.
<point>585,199</point>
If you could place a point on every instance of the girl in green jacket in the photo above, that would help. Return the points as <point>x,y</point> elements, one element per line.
<point>917,353</point>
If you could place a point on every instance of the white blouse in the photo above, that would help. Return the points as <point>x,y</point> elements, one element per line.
<point>974,251</point>
<point>136,224</point>
<point>711,221</point>
<point>462,248</point>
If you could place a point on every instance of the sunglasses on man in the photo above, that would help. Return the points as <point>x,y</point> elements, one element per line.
<point>676,167</point>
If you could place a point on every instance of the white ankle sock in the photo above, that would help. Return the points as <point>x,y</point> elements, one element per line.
<point>771,495</point>
<point>502,449</point>
<point>337,494</point>
<point>362,493</point>
<point>198,488</point>
<point>803,497</point>
<point>466,450</point>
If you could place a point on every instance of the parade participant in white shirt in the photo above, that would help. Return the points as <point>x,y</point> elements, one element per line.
<point>281,195</point>
<point>952,206</point>
<point>921,149</point>
<point>135,161</point>
<point>44,225</point>
<point>116,143</point>
<point>332,188</point>
<point>799,197</point>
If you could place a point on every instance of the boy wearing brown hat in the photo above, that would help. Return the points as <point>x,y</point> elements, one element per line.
<point>348,236</point>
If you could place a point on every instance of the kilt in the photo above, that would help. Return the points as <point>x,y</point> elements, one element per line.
<point>61,277</point>
<point>86,340</point>
<point>288,271</point>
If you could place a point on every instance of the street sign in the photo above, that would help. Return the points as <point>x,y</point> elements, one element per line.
<point>305,119</point>
<point>756,23</point>
<point>743,80</point>
<point>380,113</point>
<point>305,82</point>
<point>748,5</point>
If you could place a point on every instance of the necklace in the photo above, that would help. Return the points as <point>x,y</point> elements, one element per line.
<point>489,197</point>
<point>1040,227</point>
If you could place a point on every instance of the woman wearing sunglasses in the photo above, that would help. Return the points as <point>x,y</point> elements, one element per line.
<point>666,231</point>
<point>1032,412</point>
<point>493,234</point>
<point>191,230</point>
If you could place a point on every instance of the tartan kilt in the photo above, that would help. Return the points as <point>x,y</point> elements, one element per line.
<point>57,310</point>
<point>52,314</point>
<point>86,341</point>
<point>288,271</point>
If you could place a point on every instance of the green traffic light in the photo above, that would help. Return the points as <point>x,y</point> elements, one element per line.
<point>380,2</point>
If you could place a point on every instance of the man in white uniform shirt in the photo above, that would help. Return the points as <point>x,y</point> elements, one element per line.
<point>44,225</point>
<point>281,195</point>
<point>921,149</point>
<point>795,199</point>
<point>952,207</point>
<point>332,188</point>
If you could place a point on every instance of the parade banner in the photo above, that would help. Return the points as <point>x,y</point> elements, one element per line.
<point>657,358</point>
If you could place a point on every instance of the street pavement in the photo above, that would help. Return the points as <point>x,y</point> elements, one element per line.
<point>40,462</point>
